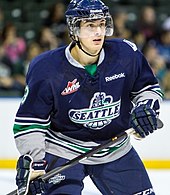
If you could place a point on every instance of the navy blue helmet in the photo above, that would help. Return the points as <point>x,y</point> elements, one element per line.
<point>87,9</point>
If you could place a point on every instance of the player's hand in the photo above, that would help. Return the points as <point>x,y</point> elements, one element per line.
<point>27,171</point>
<point>143,120</point>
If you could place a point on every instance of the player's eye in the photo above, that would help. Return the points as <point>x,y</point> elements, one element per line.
<point>102,25</point>
<point>90,25</point>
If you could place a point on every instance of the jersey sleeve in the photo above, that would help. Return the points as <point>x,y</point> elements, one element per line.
<point>33,116</point>
<point>146,88</point>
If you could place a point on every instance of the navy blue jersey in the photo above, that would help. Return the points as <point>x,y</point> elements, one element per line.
<point>63,100</point>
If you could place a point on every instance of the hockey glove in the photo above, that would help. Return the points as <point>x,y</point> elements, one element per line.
<point>27,170</point>
<point>143,120</point>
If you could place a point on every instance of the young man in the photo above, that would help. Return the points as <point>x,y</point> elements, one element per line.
<point>80,96</point>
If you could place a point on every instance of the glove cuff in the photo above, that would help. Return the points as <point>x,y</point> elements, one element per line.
<point>38,169</point>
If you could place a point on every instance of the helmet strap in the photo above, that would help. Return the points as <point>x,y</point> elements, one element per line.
<point>80,47</point>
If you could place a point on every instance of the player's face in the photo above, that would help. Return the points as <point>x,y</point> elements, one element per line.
<point>92,28</point>
<point>92,33</point>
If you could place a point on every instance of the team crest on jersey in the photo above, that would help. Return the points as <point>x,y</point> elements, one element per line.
<point>101,112</point>
<point>72,86</point>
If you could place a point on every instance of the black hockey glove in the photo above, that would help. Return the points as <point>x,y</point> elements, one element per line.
<point>27,170</point>
<point>143,120</point>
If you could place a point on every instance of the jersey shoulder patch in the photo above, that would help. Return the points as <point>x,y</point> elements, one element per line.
<point>132,45</point>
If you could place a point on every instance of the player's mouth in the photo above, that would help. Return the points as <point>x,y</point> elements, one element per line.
<point>97,41</point>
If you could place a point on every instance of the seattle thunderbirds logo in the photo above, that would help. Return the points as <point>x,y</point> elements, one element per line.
<point>101,112</point>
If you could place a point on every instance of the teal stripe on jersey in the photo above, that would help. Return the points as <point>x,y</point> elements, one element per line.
<point>155,88</point>
<point>21,128</point>
<point>102,152</point>
<point>82,149</point>
<point>159,92</point>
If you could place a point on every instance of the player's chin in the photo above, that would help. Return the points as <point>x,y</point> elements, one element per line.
<point>97,47</point>
<point>95,51</point>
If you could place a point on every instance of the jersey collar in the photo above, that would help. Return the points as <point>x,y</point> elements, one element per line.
<point>77,64</point>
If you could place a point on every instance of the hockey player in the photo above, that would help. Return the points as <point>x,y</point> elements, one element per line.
<point>80,96</point>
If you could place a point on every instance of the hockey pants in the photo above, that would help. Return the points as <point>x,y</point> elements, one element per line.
<point>125,176</point>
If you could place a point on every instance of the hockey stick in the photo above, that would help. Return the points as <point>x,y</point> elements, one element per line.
<point>81,157</point>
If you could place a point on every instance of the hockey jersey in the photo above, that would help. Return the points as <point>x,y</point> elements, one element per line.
<point>66,111</point>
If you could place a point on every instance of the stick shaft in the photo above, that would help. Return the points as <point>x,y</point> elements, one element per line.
<point>79,158</point>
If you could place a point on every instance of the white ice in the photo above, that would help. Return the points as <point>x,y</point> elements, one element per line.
<point>160,180</point>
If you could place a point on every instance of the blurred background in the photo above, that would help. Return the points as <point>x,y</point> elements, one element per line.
<point>28,28</point>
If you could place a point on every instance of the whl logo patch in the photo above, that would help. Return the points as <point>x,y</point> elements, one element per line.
<point>72,86</point>
<point>101,112</point>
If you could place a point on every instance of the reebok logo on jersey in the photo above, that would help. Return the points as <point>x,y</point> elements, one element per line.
<point>101,112</point>
<point>72,86</point>
<point>114,77</point>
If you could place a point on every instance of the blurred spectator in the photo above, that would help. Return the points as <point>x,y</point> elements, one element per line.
<point>14,46</point>
<point>2,21</point>
<point>13,49</point>
<point>47,39</point>
<point>166,85</point>
<point>147,24</point>
<point>8,83</point>
<point>166,24</point>
<point>33,50</point>
<point>56,21</point>
<point>164,42</point>
<point>156,61</point>
<point>121,30</point>
<point>5,68</point>
<point>139,39</point>
<point>16,53</point>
